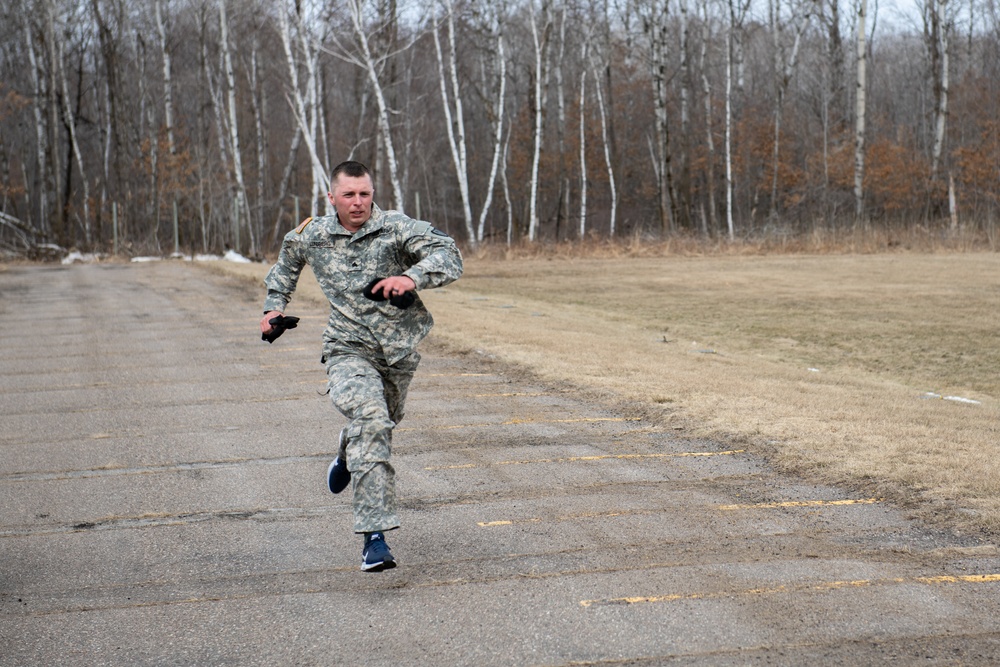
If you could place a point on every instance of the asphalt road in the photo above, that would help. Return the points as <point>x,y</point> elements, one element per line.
<point>163,503</point>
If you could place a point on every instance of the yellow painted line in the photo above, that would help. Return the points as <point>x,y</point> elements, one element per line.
<point>575,459</point>
<point>822,586</point>
<point>568,517</point>
<point>510,422</point>
<point>801,503</point>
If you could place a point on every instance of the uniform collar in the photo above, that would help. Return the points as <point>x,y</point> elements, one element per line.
<point>373,225</point>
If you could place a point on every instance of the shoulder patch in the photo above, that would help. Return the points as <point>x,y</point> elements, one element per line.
<point>298,230</point>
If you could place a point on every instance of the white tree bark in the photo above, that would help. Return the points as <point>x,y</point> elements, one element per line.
<point>368,62</point>
<point>859,113</point>
<point>234,136</point>
<point>942,25</point>
<point>656,28</point>
<point>41,141</point>
<point>607,150</point>
<point>709,135</point>
<point>455,123</point>
<point>540,41</point>
<point>498,109</point>
<point>583,138</point>
<point>168,104</point>
<point>306,120</point>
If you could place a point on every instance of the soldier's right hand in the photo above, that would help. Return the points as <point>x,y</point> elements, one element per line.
<point>265,322</point>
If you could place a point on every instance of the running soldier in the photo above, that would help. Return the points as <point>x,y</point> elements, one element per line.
<point>370,265</point>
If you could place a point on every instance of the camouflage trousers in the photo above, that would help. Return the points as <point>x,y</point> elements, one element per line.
<point>371,394</point>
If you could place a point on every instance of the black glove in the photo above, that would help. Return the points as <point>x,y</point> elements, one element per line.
<point>403,301</point>
<point>279,324</point>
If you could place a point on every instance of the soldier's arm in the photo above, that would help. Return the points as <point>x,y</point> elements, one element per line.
<point>436,259</point>
<point>281,280</point>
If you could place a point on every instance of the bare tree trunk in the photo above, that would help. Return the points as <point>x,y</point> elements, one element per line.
<point>385,130</point>
<point>583,137</point>
<point>706,85</point>
<point>234,135</point>
<point>938,27</point>
<point>607,155</point>
<point>286,176</point>
<point>168,104</point>
<point>540,42</point>
<point>737,12</point>
<point>859,120</point>
<point>59,227</point>
<point>455,123</point>
<point>562,212</point>
<point>684,194</point>
<point>74,142</point>
<point>256,103</point>
<point>41,135</point>
<point>498,113</point>
<point>784,68</point>
<point>656,28</point>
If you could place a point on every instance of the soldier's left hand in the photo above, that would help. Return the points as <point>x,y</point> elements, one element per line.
<point>394,286</point>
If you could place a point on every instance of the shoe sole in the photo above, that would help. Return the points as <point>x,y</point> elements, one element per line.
<point>378,567</point>
<point>329,478</point>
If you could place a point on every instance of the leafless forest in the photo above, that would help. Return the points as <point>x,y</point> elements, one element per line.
<point>138,126</point>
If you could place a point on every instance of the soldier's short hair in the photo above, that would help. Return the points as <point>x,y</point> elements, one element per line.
<point>350,168</point>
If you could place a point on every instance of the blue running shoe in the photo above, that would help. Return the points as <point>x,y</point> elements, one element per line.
<point>376,555</point>
<point>337,475</point>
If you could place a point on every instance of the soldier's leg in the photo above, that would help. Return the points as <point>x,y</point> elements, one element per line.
<point>397,383</point>
<point>357,390</point>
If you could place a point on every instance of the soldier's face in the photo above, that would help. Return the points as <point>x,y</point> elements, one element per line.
<point>352,198</point>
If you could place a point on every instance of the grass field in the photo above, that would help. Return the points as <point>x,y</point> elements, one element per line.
<point>880,371</point>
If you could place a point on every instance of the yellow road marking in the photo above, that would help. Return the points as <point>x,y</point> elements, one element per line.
<point>574,459</point>
<point>822,586</point>
<point>801,503</point>
<point>568,517</point>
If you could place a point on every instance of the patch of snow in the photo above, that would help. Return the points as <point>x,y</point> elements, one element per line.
<point>76,256</point>
<point>233,256</point>
<point>957,399</point>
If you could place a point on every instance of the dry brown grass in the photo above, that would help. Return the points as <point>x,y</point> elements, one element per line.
<point>823,363</point>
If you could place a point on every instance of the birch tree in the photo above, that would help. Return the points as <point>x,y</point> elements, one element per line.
<point>706,87</point>
<point>41,135</point>
<point>454,121</point>
<point>242,207</point>
<point>583,135</point>
<point>370,62</point>
<point>737,14</point>
<point>655,26</point>
<point>70,122</point>
<point>304,105</point>
<point>540,40</point>
<point>51,91</point>
<point>495,20</point>
<point>861,90</point>
<point>939,23</point>
<point>168,103</point>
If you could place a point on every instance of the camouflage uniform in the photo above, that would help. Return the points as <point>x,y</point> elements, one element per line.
<point>369,347</point>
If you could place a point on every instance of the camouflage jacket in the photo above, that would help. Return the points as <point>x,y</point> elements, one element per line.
<point>389,244</point>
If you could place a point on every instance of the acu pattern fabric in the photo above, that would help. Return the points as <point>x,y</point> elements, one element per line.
<point>369,347</point>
